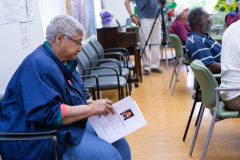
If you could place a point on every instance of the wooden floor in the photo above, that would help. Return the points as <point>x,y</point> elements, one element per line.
<point>167,118</point>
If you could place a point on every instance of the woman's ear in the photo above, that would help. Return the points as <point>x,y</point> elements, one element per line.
<point>59,38</point>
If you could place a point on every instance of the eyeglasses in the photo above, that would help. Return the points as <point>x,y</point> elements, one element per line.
<point>79,44</point>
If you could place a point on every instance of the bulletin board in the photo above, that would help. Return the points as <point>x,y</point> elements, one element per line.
<point>13,48</point>
<point>83,11</point>
<point>226,5</point>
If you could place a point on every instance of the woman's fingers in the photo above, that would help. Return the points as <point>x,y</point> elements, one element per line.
<point>109,102</point>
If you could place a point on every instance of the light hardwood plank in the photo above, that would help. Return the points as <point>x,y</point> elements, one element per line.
<point>167,118</point>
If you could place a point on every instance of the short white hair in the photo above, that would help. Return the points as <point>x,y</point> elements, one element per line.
<point>64,24</point>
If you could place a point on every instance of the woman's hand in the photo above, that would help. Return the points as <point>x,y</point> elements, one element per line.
<point>101,107</point>
<point>89,102</point>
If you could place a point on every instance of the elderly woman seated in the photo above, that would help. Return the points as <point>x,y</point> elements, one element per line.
<point>46,92</point>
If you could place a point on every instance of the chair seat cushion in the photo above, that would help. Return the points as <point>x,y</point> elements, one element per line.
<point>109,82</point>
<point>113,64</point>
<point>224,111</point>
<point>110,72</point>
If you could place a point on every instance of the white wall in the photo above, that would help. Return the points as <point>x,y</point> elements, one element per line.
<point>11,52</point>
<point>49,9</point>
<point>117,7</point>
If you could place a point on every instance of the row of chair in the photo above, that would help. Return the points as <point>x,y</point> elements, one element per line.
<point>112,74</point>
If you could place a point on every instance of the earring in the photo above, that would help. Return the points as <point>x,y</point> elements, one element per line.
<point>59,45</point>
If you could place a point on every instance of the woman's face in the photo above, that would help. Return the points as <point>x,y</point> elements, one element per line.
<point>71,46</point>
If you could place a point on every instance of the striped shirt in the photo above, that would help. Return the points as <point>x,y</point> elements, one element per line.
<point>203,48</point>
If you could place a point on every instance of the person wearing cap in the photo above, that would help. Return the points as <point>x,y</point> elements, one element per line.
<point>232,16</point>
<point>200,45</point>
<point>147,11</point>
<point>179,25</point>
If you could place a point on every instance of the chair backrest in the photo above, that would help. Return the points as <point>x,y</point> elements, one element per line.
<point>1,97</point>
<point>216,19</point>
<point>177,44</point>
<point>206,81</point>
<point>97,47</point>
<point>83,63</point>
<point>91,53</point>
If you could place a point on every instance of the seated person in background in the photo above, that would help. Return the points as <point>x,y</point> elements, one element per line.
<point>46,92</point>
<point>230,65</point>
<point>232,16</point>
<point>200,44</point>
<point>179,25</point>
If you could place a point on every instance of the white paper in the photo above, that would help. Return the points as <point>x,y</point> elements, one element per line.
<point>22,3</point>
<point>31,11</point>
<point>24,32</point>
<point>9,11</point>
<point>113,127</point>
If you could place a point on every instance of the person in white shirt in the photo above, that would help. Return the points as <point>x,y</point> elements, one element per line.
<point>230,66</point>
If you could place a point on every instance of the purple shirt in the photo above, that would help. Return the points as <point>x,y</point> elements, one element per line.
<point>180,28</point>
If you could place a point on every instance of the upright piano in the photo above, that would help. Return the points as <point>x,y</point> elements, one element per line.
<point>110,37</point>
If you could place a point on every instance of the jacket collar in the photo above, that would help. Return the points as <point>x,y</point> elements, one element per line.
<point>67,73</point>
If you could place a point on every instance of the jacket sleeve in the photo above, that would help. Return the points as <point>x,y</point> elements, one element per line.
<point>38,95</point>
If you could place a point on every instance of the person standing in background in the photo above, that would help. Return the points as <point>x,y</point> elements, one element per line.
<point>145,22</point>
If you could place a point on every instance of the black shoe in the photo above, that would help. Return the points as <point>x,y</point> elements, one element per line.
<point>156,70</point>
<point>146,72</point>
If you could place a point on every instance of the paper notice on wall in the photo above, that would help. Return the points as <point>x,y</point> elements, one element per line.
<point>9,11</point>
<point>22,3</point>
<point>31,11</point>
<point>24,33</point>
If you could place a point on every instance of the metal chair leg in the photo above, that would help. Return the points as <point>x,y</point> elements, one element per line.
<point>161,47</point>
<point>127,90</point>
<point>198,115</point>
<point>211,126</point>
<point>171,52</point>
<point>191,114</point>
<point>122,92</point>
<point>196,131</point>
<point>187,68</point>
<point>93,93</point>
<point>166,56</point>
<point>179,67</point>
<point>130,82</point>
<point>174,71</point>
<point>189,121</point>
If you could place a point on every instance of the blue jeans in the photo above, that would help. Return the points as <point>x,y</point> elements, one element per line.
<point>91,147</point>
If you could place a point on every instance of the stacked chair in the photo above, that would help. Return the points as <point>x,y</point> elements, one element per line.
<point>108,77</point>
<point>210,99</point>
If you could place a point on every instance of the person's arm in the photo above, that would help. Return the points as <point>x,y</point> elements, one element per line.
<point>76,113</point>
<point>159,3</point>
<point>134,19</point>
<point>231,19</point>
<point>214,67</point>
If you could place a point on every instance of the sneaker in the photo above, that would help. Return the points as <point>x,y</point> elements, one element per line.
<point>146,72</point>
<point>156,70</point>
